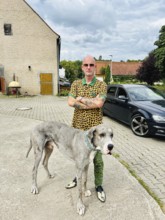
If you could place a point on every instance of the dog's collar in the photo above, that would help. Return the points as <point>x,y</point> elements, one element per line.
<point>88,143</point>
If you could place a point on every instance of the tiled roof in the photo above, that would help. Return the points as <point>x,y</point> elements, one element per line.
<point>100,64</point>
<point>119,68</point>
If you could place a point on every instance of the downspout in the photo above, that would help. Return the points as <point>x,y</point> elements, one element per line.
<point>58,62</point>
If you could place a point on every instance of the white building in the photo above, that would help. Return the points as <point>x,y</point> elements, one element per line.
<point>29,48</point>
<point>62,72</point>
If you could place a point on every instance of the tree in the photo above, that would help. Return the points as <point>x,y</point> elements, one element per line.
<point>72,69</point>
<point>100,57</point>
<point>102,70</point>
<point>107,75</point>
<point>159,52</point>
<point>148,72</point>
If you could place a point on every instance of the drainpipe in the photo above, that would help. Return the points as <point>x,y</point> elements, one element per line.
<point>58,62</point>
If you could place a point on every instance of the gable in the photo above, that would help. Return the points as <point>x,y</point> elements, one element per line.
<point>40,17</point>
<point>22,12</point>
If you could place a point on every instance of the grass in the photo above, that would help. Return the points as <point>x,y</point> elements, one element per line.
<point>142,183</point>
<point>161,88</point>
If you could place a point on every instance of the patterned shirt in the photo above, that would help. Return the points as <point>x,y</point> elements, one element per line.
<point>86,118</point>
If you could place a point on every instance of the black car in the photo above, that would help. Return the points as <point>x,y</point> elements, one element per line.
<point>140,106</point>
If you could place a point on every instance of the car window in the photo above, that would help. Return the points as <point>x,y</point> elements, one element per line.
<point>134,94</point>
<point>121,92</point>
<point>158,92</point>
<point>111,91</point>
<point>152,95</point>
<point>144,94</point>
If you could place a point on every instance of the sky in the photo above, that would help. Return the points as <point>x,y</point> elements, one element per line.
<point>114,29</point>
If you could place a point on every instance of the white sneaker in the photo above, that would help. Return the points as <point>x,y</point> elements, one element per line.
<point>101,194</point>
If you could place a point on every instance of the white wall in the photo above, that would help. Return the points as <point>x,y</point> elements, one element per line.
<point>33,44</point>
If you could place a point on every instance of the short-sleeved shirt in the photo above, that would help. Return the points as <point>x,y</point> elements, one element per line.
<point>86,118</point>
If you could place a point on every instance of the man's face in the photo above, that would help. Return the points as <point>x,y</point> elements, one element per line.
<point>88,66</point>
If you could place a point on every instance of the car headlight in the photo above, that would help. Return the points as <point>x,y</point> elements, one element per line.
<point>158,118</point>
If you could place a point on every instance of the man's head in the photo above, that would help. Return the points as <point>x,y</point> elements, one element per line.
<point>89,66</point>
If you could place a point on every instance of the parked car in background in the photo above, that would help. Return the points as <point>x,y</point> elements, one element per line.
<point>64,82</point>
<point>140,106</point>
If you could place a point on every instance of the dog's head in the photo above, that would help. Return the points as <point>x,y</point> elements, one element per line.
<point>101,138</point>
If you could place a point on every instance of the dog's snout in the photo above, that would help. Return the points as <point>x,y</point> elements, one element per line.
<point>110,146</point>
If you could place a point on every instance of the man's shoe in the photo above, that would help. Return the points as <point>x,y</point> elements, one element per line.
<point>72,184</point>
<point>100,193</point>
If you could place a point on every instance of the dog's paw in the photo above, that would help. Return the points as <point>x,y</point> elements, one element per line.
<point>51,176</point>
<point>34,190</point>
<point>80,208</point>
<point>88,193</point>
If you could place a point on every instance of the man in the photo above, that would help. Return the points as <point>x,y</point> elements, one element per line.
<point>87,96</point>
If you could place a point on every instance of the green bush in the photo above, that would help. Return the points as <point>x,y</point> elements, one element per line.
<point>125,78</point>
<point>160,87</point>
<point>64,92</point>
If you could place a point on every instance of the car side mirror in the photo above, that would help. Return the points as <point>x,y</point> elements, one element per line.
<point>123,97</point>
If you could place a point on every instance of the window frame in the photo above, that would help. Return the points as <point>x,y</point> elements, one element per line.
<point>8,29</point>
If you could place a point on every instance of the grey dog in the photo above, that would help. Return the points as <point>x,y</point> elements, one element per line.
<point>80,146</point>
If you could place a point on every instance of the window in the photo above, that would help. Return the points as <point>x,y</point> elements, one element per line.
<point>7,29</point>
<point>111,91</point>
<point>121,92</point>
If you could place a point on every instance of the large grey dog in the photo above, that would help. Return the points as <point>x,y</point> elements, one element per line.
<point>81,146</point>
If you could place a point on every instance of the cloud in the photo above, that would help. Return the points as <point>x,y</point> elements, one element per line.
<point>125,28</point>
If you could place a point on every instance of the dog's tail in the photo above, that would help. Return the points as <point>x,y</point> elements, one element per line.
<point>29,149</point>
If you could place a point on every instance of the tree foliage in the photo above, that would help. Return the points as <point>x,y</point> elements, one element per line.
<point>159,52</point>
<point>73,69</point>
<point>134,60</point>
<point>107,75</point>
<point>100,57</point>
<point>148,72</point>
<point>102,70</point>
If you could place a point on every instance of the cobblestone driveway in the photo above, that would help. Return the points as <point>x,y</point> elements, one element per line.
<point>146,156</point>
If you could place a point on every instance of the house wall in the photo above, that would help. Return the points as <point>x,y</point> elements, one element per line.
<point>118,68</point>
<point>32,43</point>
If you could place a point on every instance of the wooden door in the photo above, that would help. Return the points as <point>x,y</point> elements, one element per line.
<point>2,85</point>
<point>46,82</point>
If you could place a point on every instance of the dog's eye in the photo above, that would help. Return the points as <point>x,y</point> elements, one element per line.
<point>102,135</point>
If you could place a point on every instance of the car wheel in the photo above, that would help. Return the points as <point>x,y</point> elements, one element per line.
<point>139,125</point>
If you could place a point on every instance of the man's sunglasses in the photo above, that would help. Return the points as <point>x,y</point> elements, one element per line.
<point>85,64</point>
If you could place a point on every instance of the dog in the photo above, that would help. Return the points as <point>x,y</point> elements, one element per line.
<point>80,146</point>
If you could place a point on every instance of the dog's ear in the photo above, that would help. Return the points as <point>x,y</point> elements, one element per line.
<point>91,133</point>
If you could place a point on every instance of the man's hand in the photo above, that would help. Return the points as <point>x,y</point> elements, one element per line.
<point>74,102</point>
<point>79,98</point>
<point>86,103</point>
<point>91,103</point>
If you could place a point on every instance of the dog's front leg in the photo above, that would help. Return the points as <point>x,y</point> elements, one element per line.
<point>87,192</point>
<point>38,156</point>
<point>80,205</point>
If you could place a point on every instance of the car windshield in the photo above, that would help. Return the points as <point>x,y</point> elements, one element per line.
<point>145,94</point>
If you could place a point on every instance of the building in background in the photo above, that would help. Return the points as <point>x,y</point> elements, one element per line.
<point>29,49</point>
<point>118,68</point>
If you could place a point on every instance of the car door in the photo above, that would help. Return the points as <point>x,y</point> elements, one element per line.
<point>122,106</point>
<point>109,107</point>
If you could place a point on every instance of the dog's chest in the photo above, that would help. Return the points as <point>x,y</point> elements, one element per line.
<point>92,155</point>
